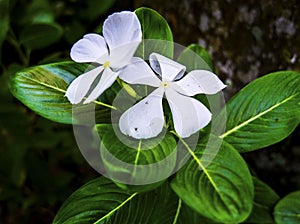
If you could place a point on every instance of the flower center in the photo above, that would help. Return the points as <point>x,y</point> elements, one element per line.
<point>165,84</point>
<point>106,64</point>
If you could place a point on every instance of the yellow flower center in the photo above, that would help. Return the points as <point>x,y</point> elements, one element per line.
<point>106,64</point>
<point>165,84</point>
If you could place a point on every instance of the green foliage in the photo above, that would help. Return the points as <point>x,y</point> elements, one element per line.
<point>264,112</point>
<point>215,186</point>
<point>157,35</point>
<point>101,201</point>
<point>138,157</point>
<point>45,86</point>
<point>287,209</point>
<point>264,201</point>
<point>203,61</point>
<point>220,189</point>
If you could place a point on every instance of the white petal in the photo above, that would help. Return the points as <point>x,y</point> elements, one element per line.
<point>122,28</point>
<point>89,49</point>
<point>107,79</point>
<point>169,70</point>
<point>81,85</point>
<point>199,81</point>
<point>189,115</point>
<point>139,72</point>
<point>145,119</point>
<point>121,56</point>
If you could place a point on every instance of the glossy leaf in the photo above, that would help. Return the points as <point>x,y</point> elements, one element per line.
<point>157,35</point>
<point>42,89</point>
<point>221,190</point>
<point>101,201</point>
<point>136,162</point>
<point>264,201</point>
<point>264,112</point>
<point>155,207</point>
<point>38,36</point>
<point>287,209</point>
<point>195,57</point>
<point>4,20</point>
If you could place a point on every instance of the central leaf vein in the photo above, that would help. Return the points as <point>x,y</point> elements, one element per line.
<point>256,117</point>
<point>116,209</point>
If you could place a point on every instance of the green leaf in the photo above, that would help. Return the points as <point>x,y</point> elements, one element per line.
<point>157,35</point>
<point>4,20</point>
<point>264,201</point>
<point>218,187</point>
<point>287,209</point>
<point>138,162</point>
<point>195,57</point>
<point>101,201</point>
<point>41,35</point>
<point>264,112</point>
<point>42,89</point>
<point>155,207</point>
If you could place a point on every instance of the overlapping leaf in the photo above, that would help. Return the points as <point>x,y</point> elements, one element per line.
<point>42,89</point>
<point>217,186</point>
<point>157,35</point>
<point>101,201</point>
<point>287,209</point>
<point>264,112</point>
<point>136,162</point>
<point>195,57</point>
<point>264,201</point>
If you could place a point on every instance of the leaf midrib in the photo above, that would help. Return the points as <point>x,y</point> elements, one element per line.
<point>64,91</point>
<point>116,209</point>
<point>203,168</point>
<point>236,128</point>
<point>44,84</point>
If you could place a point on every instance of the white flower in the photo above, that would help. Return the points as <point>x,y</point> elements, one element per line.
<point>121,36</point>
<point>146,118</point>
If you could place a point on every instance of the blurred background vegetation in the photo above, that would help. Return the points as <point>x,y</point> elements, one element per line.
<point>40,163</point>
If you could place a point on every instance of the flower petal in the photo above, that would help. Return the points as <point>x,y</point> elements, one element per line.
<point>89,49</point>
<point>122,28</point>
<point>139,72</point>
<point>107,79</point>
<point>81,85</point>
<point>167,68</point>
<point>121,56</point>
<point>145,119</point>
<point>198,81</point>
<point>189,115</point>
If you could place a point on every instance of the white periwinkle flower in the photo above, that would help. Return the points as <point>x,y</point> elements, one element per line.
<point>121,36</point>
<point>146,119</point>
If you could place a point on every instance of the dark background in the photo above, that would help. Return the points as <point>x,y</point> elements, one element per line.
<point>40,163</point>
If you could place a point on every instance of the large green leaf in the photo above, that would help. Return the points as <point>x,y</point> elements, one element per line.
<point>157,35</point>
<point>4,20</point>
<point>138,162</point>
<point>42,89</point>
<point>218,186</point>
<point>195,57</point>
<point>264,112</point>
<point>287,209</point>
<point>101,201</point>
<point>264,201</point>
